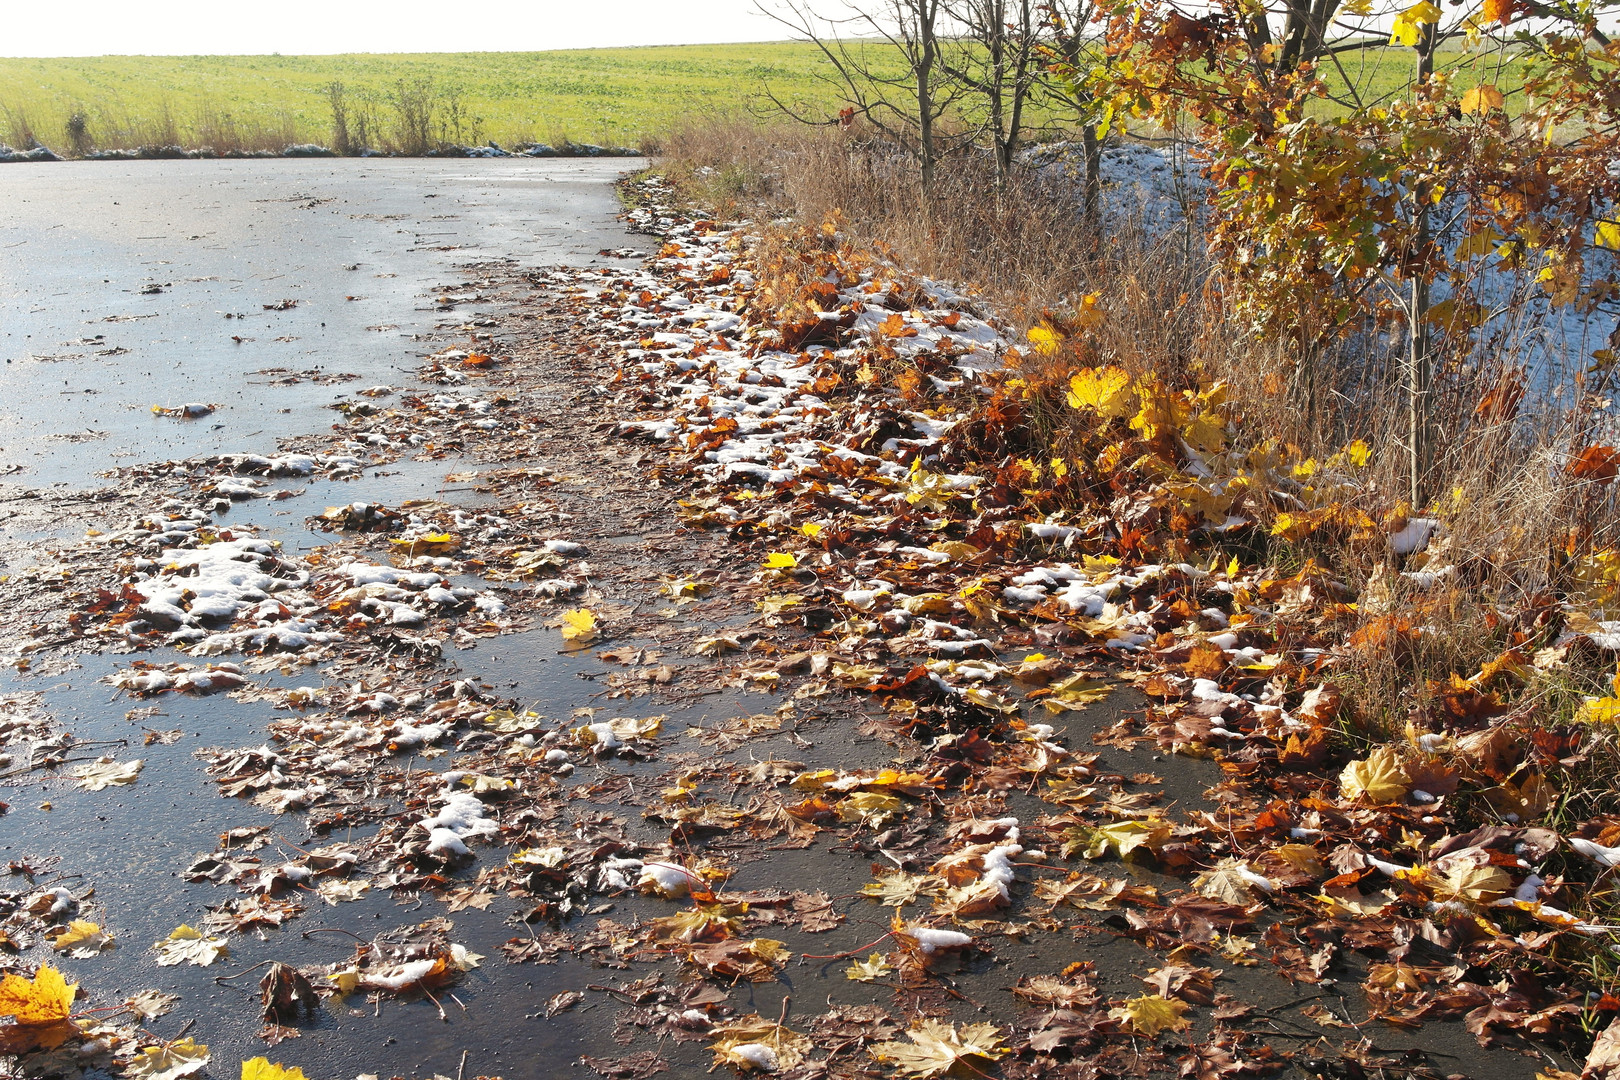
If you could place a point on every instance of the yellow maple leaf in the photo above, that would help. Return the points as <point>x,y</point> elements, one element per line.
<point>1358,7</point>
<point>1150,1014</point>
<point>1105,390</point>
<point>1600,711</point>
<point>262,1069</point>
<point>1473,883</point>
<point>935,1049</point>
<point>1380,778</point>
<point>1045,339</point>
<point>180,1058</point>
<point>1126,836</point>
<point>872,968</point>
<point>753,1042</point>
<point>38,1008</point>
<point>780,560</point>
<point>83,937</point>
<point>1608,235</point>
<point>1481,99</point>
<point>1358,453</point>
<point>578,625</point>
<point>1409,23</point>
<point>810,529</point>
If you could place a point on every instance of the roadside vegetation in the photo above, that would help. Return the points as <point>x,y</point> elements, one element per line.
<point>1366,375</point>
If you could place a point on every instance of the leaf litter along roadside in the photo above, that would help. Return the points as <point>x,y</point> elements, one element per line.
<point>841,536</point>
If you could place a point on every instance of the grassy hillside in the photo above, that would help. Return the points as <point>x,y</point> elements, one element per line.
<point>596,95</point>
<point>606,96</point>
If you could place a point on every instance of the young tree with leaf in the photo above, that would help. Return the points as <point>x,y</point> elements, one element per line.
<point>1336,202</point>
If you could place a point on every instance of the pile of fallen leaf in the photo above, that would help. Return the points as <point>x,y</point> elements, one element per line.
<point>860,445</point>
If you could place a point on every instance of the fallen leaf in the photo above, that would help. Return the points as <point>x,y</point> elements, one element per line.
<point>262,1069</point>
<point>84,939</point>
<point>754,1043</point>
<point>1150,1014</point>
<point>872,968</point>
<point>106,772</point>
<point>936,1049</point>
<point>1380,778</point>
<point>177,1059</point>
<point>38,1008</point>
<point>187,946</point>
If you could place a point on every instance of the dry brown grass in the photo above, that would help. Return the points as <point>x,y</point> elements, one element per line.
<point>1519,524</point>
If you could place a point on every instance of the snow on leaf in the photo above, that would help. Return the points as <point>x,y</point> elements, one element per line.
<point>263,1069</point>
<point>755,1043</point>
<point>872,968</point>
<point>1150,1014</point>
<point>1380,778</point>
<point>935,1049</point>
<point>187,946</point>
<point>177,1059</point>
<point>106,772</point>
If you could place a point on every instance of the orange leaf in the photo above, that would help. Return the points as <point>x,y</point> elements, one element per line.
<point>1597,463</point>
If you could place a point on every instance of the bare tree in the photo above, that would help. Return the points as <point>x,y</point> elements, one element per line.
<point>992,55</point>
<point>887,66</point>
<point>1070,53</point>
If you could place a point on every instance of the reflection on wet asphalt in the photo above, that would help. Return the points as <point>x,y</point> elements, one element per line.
<point>116,280</point>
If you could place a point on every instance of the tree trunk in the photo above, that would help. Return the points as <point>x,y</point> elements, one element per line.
<point>1091,194</point>
<point>1419,362</point>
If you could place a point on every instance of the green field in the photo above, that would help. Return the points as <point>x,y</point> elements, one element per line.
<point>606,96</point>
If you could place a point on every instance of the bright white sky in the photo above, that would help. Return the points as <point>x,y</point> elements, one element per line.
<point>187,27</point>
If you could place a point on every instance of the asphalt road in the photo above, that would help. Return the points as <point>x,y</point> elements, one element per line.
<point>116,280</point>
